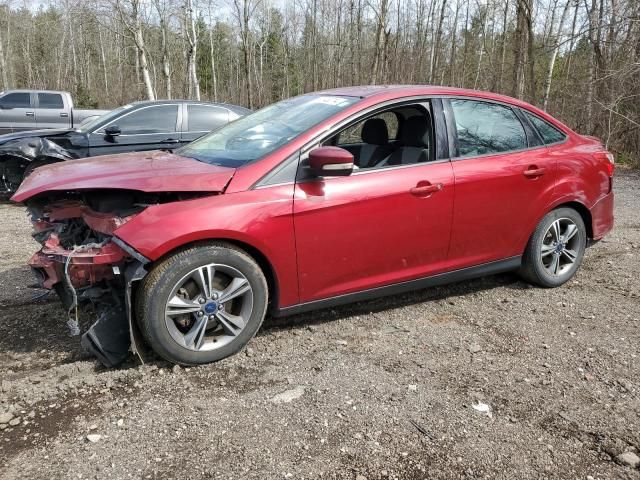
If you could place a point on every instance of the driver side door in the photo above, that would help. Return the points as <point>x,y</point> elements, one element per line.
<point>148,128</point>
<point>375,227</point>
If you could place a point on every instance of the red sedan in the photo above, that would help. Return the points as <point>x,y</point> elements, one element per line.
<point>318,200</point>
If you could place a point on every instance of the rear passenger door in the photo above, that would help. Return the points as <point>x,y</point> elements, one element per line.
<point>147,128</point>
<point>17,112</point>
<point>201,119</point>
<point>504,178</point>
<point>51,112</point>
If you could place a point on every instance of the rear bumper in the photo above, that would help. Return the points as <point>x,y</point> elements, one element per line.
<point>602,216</point>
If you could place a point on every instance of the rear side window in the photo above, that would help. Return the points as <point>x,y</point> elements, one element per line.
<point>548,132</point>
<point>484,128</point>
<point>204,118</point>
<point>50,100</point>
<point>16,100</point>
<point>159,119</point>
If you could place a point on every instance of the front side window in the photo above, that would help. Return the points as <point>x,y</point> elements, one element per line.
<point>548,132</point>
<point>485,128</point>
<point>16,100</point>
<point>398,136</point>
<point>50,100</point>
<point>149,120</point>
<point>353,134</point>
<point>262,132</point>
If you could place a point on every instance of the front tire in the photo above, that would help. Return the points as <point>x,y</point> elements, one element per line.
<point>202,304</point>
<point>555,250</point>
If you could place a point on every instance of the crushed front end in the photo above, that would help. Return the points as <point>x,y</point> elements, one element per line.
<point>85,263</point>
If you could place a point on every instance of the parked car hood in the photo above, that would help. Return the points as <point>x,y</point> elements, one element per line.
<point>7,137</point>
<point>143,171</point>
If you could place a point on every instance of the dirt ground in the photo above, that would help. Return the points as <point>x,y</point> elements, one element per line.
<point>376,390</point>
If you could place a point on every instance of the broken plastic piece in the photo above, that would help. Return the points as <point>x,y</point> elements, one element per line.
<point>108,339</point>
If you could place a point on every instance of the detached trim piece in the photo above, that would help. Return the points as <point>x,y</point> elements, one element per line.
<point>130,250</point>
<point>491,268</point>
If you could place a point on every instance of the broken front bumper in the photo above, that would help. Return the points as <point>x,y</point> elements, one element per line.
<point>81,266</point>
<point>102,272</point>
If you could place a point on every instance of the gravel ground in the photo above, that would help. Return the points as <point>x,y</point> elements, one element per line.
<point>382,389</point>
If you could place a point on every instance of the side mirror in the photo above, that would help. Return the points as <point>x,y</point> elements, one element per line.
<point>331,162</point>
<point>113,131</point>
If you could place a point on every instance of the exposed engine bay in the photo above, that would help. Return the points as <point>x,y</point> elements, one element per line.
<point>85,263</point>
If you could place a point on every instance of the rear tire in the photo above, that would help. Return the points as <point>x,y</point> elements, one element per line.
<point>555,250</point>
<point>202,304</point>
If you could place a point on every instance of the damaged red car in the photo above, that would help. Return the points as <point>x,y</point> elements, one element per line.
<point>318,200</point>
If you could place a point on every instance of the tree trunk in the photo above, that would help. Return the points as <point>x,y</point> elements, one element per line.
<point>3,67</point>
<point>520,48</point>
<point>166,65</point>
<point>438,41</point>
<point>555,38</point>
<point>192,52</point>
<point>379,40</point>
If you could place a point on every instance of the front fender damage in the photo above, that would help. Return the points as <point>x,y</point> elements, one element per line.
<point>16,155</point>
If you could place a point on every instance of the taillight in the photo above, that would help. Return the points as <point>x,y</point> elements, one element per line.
<point>609,161</point>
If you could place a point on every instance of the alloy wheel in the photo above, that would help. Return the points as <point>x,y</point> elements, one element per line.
<point>560,246</point>
<point>209,307</point>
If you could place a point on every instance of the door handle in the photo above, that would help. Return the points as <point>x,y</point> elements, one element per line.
<point>29,114</point>
<point>424,189</point>
<point>170,140</point>
<point>534,172</point>
<point>64,115</point>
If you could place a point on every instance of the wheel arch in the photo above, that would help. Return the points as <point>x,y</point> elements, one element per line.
<point>576,205</point>
<point>584,212</point>
<point>254,252</point>
<point>579,207</point>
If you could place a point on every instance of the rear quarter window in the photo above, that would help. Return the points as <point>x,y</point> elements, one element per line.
<point>548,132</point>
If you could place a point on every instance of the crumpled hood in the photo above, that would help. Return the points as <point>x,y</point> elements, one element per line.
<point>143,171</point>
<point>7,137</point>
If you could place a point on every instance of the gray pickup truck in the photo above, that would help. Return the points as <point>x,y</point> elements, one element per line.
<point>40,109</point>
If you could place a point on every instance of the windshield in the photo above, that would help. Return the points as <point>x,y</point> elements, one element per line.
<point>90,123</point>
<point>262,132</point>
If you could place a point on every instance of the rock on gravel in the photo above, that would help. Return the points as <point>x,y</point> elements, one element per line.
<point>289,395</point>
<point>94,437</point>
<point>6,417</point>
<point>475,348</point>
<point>629,459</point>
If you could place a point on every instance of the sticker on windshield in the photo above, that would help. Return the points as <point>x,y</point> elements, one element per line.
<point>334,101</point>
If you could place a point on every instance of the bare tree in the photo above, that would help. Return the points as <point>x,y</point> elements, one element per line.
<point>162,8</point>
<point>192,50</point>
<point>129,14</point>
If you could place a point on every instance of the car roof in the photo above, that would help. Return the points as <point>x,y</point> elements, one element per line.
<point>234,108</point>
<point>31,90</point>
<point>397,91</point>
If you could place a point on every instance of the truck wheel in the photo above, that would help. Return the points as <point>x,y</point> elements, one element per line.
<point>202,304</point>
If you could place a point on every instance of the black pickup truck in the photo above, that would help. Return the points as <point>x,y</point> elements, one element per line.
<point>149,125</point>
